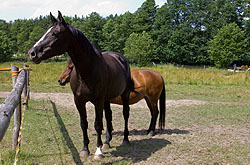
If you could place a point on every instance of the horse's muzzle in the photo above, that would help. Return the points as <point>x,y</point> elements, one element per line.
<point>61,82</point>
<point>32,53</point>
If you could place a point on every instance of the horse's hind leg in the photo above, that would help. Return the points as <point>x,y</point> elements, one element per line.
<point>125,101</point>
<point>108,116</point>
<point>154,114</point>
<point>84,125</point>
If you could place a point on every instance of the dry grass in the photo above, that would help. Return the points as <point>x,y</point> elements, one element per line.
<point>45,75</point>
<point>181,75</point>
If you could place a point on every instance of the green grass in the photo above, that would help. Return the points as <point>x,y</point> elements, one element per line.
<point>43,77</point>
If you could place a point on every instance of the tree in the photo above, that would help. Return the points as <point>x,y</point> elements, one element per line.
<point>179,32</point>
<point>139,48</point>
<point>5,41</point>
<point>23,36</point>
<point>116,31</point>
<point>180,47</point>
<point>109,42</point>
<point>161,32</point>
<point>228,45</point>
<point>92,28</point>
<point>5,46</point>
<point>144,17</point>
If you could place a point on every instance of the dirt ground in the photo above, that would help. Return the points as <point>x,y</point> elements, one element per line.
<point>61,98</point>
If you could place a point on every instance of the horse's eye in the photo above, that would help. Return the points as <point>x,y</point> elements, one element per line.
<point>54,34</point>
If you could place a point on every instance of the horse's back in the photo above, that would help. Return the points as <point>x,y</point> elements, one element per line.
<point>146,77</point>
<point>117,60</point>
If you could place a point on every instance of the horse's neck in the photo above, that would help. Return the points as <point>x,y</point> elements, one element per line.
<point>84,59</point>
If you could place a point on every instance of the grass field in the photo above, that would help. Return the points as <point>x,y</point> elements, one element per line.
<point>216,132</point>
<point>45,75</point>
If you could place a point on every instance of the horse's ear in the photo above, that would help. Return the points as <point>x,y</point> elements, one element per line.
<point>61,18</point>
<point>52,18</point>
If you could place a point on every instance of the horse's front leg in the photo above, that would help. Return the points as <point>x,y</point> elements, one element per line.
<point>81,107</point>
<point>108,116</point>
<point>99,127</point>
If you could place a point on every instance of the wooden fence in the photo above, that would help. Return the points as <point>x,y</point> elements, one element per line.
<point>12,104</point>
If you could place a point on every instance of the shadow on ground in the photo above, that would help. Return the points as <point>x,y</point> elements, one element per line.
<point>69,142</point>
<point>144,132</point>
<point>139,150</point>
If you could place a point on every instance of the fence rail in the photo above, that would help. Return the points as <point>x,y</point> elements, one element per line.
<point>12,103</point>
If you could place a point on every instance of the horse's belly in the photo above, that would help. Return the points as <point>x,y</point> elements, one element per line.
<point>133,98</point>
<point>116,89</point>
<point>117,100</point>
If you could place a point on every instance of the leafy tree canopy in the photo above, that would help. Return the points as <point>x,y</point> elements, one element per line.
<point>139,48</point>
<point>228,45</point>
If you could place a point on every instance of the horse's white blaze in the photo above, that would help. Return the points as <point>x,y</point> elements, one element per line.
<point>41,39</point>
<point>98,151</point>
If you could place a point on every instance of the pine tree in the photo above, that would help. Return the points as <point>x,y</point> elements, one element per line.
<point>144,17</point>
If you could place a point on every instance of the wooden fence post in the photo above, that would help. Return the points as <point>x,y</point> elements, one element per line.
<point>7,108</point>
<point>28,81</point>
<point>17,112</point>
<point>26,84</point>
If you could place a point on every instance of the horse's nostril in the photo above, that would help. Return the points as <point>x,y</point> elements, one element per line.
<point>59,81</point>
<point>33,54</point>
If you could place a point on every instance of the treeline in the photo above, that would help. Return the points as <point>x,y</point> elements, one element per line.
<point>193,32</point>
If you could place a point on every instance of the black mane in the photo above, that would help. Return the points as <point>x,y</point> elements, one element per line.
<point>83,40</point>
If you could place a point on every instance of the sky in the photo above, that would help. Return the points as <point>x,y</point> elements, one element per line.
<point>11,10</point>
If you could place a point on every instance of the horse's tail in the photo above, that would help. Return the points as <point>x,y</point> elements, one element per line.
<point>131,84</point>
<point>162,106</point>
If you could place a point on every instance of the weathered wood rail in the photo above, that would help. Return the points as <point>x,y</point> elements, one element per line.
<point>12,103</point>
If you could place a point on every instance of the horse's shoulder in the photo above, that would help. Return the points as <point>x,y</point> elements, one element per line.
<point>117,56</point>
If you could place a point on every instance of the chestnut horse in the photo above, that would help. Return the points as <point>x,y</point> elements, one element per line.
<point>98,77</point>
<point>147,82</point>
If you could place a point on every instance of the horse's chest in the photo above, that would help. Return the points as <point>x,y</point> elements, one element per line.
<point>80,90</point>
<point>87,92</point>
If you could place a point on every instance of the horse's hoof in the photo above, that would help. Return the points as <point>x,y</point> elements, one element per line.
<point>151,133</point>
<point>125,142</point>
<point>105,146</point>
<point>98,157</point>
<point>84,154</point>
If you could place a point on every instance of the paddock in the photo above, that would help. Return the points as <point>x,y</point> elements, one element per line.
<point>207,121</point>
<point>197,132</point>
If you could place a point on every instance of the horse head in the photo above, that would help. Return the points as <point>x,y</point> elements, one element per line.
<point>53,42</point>
<point>65,76</point>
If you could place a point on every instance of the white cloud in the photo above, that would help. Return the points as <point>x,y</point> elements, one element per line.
<point>83,7</point>
<point>104,3</point>
<point>14,9</point>
<point>159,2</point>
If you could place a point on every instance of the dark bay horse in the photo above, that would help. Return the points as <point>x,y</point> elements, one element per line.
<point>147,82</point>
<point>98,77</point>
